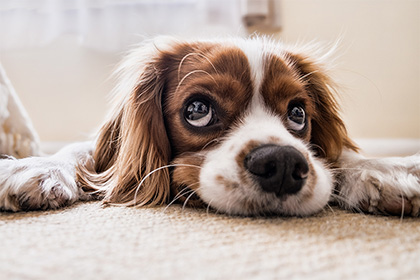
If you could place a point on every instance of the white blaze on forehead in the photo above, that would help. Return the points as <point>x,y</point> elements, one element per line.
<point>254,51</point>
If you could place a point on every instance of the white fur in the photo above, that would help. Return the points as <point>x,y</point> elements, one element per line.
<point>378,182</point>
<point>42,182</point>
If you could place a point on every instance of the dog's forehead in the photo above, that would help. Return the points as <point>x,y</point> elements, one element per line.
<point>259,64</point>
<point>275,81</point>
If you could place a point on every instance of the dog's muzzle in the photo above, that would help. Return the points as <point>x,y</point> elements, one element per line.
<point>277,169</point>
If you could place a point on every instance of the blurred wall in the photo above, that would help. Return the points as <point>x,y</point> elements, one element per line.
<point>64,86</point>
<point>378,63</point>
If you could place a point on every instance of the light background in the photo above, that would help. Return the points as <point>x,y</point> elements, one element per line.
<point>64,86</point>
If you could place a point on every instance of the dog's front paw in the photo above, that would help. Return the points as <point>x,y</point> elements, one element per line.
<point>381,186</point>
<point>35,184</point>
<point>394,194</point>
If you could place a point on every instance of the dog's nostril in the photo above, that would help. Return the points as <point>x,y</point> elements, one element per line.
<point>277,169</point>
<point>300,171</point>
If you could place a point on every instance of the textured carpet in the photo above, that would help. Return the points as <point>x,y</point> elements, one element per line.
<point>87,241</point>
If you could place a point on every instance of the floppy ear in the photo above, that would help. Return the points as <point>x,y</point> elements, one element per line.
<point>133,142</point>
<point>328,135</point>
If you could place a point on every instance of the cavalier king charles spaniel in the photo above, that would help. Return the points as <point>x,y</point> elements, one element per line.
<point>241,126</point>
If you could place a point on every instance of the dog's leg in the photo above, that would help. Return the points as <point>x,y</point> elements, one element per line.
<point>42,182</point>
<point>385,186</point>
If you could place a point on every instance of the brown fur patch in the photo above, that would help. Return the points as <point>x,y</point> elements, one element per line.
<point>328,134</point>
<point>185,179</point>
<point>226,183</point>
<point>281,87</point>
<point>248,147</point>
<point>212,75</point>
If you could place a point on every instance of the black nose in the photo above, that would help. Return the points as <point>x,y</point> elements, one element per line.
<point>277,169</point>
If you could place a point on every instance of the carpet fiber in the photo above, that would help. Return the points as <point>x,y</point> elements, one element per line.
<point>87,241</point>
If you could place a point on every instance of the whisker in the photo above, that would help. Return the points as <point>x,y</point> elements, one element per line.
<point>319,147</point>
<point>198,54</point>
<point>186,200</point>
<point>378,91</point>
<point>208,207</point>
<point>210,142</point>
<point>345,168</point>
<point>302,79</point>
<point>402,208</point>
<point>402,195</point>
<point>341,198</point>
<point>158,169</point>
<point>331,209</point>
<point>193,72</point>
<point>183,192</point>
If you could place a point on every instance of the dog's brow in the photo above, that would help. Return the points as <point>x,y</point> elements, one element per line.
<point>189,74</point>
<point>191,54</point>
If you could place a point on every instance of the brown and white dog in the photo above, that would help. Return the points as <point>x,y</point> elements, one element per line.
<point>242,126</point>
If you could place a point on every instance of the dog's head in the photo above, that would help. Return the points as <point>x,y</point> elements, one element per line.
<point>245,126</point>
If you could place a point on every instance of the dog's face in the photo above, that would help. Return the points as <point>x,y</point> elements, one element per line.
<point>246,126</point>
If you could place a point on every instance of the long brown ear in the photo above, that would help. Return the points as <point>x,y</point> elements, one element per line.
<point>133,142</point>
<point>329,135</point>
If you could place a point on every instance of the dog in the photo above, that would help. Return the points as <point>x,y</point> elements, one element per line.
<point>242,126</point>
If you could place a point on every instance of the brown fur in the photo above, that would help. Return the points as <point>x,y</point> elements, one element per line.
<point>132,144</point>
<point>329,134</point>
<point>186,178</point>
<point>281,87</point>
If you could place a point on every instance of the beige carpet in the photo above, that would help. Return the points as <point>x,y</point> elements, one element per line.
<point>87,241</point>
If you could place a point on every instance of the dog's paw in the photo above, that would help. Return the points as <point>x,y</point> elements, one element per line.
<point>381,186</point>
<point>37,184</point>
<point>395,194</point>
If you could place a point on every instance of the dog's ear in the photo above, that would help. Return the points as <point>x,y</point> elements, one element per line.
<point>133,143</point>
<point>328,135</point>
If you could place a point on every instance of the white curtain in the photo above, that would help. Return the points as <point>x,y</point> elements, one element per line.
<point>112,25</point>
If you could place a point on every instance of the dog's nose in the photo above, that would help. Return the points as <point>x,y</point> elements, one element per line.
<point>277,169</point>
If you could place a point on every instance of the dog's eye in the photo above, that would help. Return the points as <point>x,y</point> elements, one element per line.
<point>296,118</point>
<point>199,113</point>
